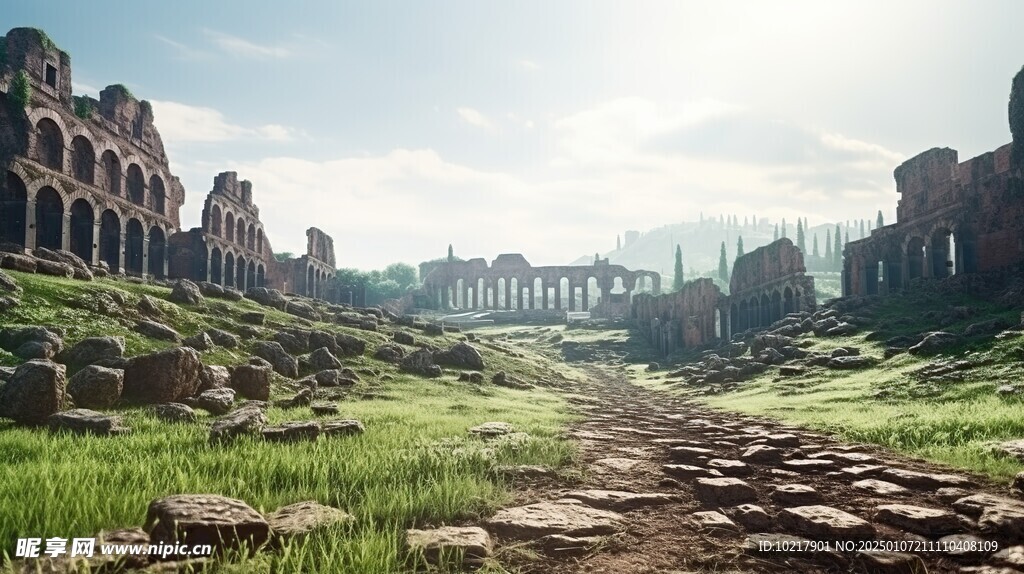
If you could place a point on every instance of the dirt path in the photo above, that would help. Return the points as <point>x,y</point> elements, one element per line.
<point>631,433</point>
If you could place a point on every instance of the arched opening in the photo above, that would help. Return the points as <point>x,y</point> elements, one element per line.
<point>787,297</point>
<point>133,253</point>
<point>82,220</point>
<point>250,240</point>
<point>460,299</point>
<point>157,252</point>
<point>156,194</point>
<point>240,232</point>
<point>592,294</point>
<point>13,199</point>
<point>743,317</point>
<point>617,287</point>
<point>229,270</point>
<point>734,318</point>
<point>83,160</point>
<point>49,144</point>
<point>215,218</point>
<point>261,276</point>
<point>229,226</point>
<point>310,279</point>
<point>240,268</point>
<point>562,294</point>
<point>259,241</point>
<point>136,185</point>
<point>112,171</point>
<point>915,258</point>
<point>766,311</point>
<point>718,323</point>
<point>215,267</point>
<point>250,275</point>
<point>500,294</point>
<point>516,301</point>
<point>538,299</point>
<point>776,308</point>
<point>110,240</point>
<point>49,218</point>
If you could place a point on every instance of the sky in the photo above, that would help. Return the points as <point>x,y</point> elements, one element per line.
<point>539,127</point>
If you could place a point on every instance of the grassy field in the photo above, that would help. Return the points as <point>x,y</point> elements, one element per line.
<point>948,421</point>
<point>415,466</point>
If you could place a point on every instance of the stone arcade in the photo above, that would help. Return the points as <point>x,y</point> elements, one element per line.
<point>952,217</point>
<point>767,284</point>
<point>511,283</point>
<point>92,177</point>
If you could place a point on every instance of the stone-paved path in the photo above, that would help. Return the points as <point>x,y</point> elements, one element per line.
<point>723,483</point>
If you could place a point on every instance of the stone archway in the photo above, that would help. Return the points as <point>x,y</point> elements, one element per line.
<point>157,252</point>
<point>82,227</point>
<point>216,267</point>
<point>49,219</point>
<point>134,242</point>
<point>110,240</point>
<point>13,201</point>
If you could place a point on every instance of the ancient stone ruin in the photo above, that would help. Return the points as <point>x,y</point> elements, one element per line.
<point>91,177</point>
<point>952,218</point>
<point>767,284</point>
<point>511,283</point>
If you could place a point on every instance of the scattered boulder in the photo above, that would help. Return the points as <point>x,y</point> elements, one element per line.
<point>322,360</point>
<point>186,292</point>
<point>323,409</point>
<point>795,494</point>
<point>223,338</point>
<point>461,355</point>
<point>342,428</point>
<point>502,379</point>
<point>248,419</point>
<point>724,491</point>
<point>149,307</point>
<point>420,362</point>
<point>825,523</point>
<point>268,297</point>
<point>850,362</point>
<point>303,398</point>
<point>251,382</point>
<point>302,309</point>
<point>224,523</point>
<point>254,317</point>
<point>85,421</point>
<point>930,522</point>
<point>617,500</point>
<point>935,342</point>
<point>54,268</point>
<point>491,429</point>
<point>403,338</point>
<point>33,342</point>
<point>294,342</point>
<point>210,289</point>
<point>92,349</point>
<point>162,377</point>
<point>80,270</point>
<point>200,342</point>
<point>217,401</point>
<point>295,431</point>
<point>389,353</point>
<point>352,346</point>
<point>295,521</point>
<point>751,517</point>
<point>95,387</point>
<point>762,342</point>
<point>214,377</point>
<point>36,391</point>
<point>157,330</point>
<point>175,413</point>
<point>18,262</point>
<point>8,284</point>
<point>712,521</point>
<point>471,377</point>
<point>471,542</point>
<point>283,363</point>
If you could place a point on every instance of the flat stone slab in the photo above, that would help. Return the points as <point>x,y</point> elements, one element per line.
<point>1013,448</point>
<point>730,467</point>
<point>544,518</point>
<point>724,491</point>
<point>617,500</point>
<point>606,465</point>
<point>825,523</point>
<point>996,514</point>
<point>562,545</point>
<point>224,523</point>
<point>85,421</point>
<point>782,440</point>
<point>591,435</point>
<point>690,454</point>
<point>864,470</point>
<point>808,465</point>
<point>762,454</point>
<point>839,456</point>
<point>687,472</point>
<point>923,480</point>
<point>750,516</point>
<point>930,522</point>
<point>297,520</point>
<point>491,429</point>
<point>890,562</point>
<point>472,542</point>
<point>772,545</point>
<point>879,487</point>
<point>795,494</point>
<point>714,521</point>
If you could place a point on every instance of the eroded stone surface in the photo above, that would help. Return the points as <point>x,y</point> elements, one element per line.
<point>544,518</point>
<point>795,494</point>
<point>825,523</point>
<point>713,520</point>
<point>920,520</point>
<point>617,500</point>
<point>724,491</point>
<point>879,487</point>
<point>222,522</point>
<point>472,542</point>
<point>297,520</point>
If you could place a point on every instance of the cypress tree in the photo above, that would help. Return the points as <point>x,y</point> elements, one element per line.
<point>723,265</point>
<point>739,247</point>
<point>800,244</point>
<point>677,279</point>
<point>879,221</point>
<point>814,251</point>
<point>783,227</point>
<point>775,237</point>
<point>451,253</point>
<point>618,242</point>
<point>837,249</point>
<point>828,245</point>
<point>862,229</point>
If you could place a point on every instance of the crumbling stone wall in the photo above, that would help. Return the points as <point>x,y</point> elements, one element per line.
<point>690,317</point>
<point>512,283</point>
<point>96,183</point>
<point>952,217</point>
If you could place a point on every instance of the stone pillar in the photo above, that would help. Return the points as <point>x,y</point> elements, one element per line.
<point>495,291</point>
<point>519,295</point>
<point>544,294</point>
<point>167,256</point>
<point>558,294</point>
<point>465,294</point>
<point>209,265</point>
<point>530,294</point>
<point>145,257</point>
<point>508,294</point>
<point>572,296</point>
<point>585,305</point>
<point>95,243</point>
<point>65,231</point>
<point>476,294</point>
<point>30,224</point>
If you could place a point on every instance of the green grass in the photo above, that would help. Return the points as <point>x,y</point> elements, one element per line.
<point>415,466</point>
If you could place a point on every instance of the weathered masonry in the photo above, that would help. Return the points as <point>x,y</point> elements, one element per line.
<point>767,284</point>
<point>95,182</point>
<point>92,177</point>
<point>512,283</point>
<point>952,217</point>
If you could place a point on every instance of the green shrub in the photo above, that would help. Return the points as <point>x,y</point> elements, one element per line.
<point>83,108</point>
<point>146,107</point>
<point>20,90</point>
<point>124,90</point>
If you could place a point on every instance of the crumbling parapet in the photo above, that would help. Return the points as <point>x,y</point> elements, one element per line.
<point>690,317</point>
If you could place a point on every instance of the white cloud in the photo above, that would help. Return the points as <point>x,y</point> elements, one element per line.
<point>182,123</point>
<point>244,48</point>
<point>475,118</point>
<point>528,65</point>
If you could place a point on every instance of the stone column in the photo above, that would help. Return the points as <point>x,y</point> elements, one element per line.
<point>508,294</point>
<point>476,294</point>
<point>530,294</point>
<point>30,224</point>
<point>95,243</point>
<point>65,231</point>
<point>558,294</point>
<point>145,257</point>
<point>585,304</point>
<point>122,253</point>
<point>572,296</point>
<point>544,294</point>
<point>209,264</point>
<point>495,291</point>
<point>465,294</point>
<point>519,295</point>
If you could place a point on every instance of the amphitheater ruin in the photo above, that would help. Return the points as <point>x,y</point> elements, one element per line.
<point>92,177</point>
